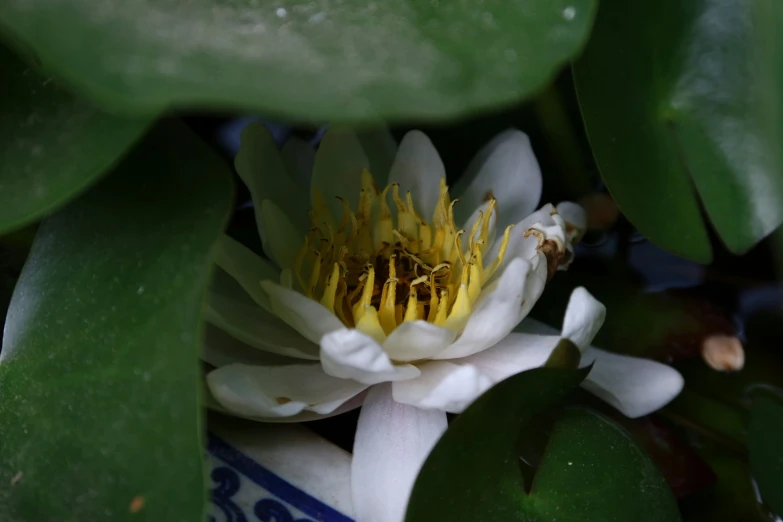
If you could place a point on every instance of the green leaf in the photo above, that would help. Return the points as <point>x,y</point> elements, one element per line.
<point>682,94</point>
<point>52,144</point>
<point>99,374</point>
<point>473,472</point>
<point>333,59</point>
<point>592,471</point>
<point>766,457</point>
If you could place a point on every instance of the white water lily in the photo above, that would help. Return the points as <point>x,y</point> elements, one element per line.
<point>381,288</point>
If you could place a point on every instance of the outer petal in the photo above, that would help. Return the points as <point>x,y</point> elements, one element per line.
<point>419,169</point>
<point>222,349</point>
<point>299,157</point>
<point>261,168</point>
<point>247,268</point>
<point>256,327</point>
<point>308,317</point>
<point>281,239</point>
<point>507,169</point>
<point>517,352</point>
<point>279,391</point>
<point>417,340</point>
<point>392,442</point>
<point>338,169</point>
<point>497,312</point>
<point>351,354</point>
<point>304,416</point>
<point>442,386</point>
<point>584,317</point>
<point>634,386</point>
<point>574,215</point>
<point>380,148</point>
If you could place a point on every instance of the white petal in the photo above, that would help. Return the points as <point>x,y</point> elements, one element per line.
<point>221,349</point>
<point>418,169</point>
<point>519,245</point>
<point>442,386</point>
<point>308,317</point>
<point>338,170</point>
<point>583,318</point>
<point>279,391</point>
<point>517,352</point>
<point>246,267</point>
<point>304,416</point>
<point>507,169</point>
<point>351,354</point>
<point>417,340</point>
<point>281,240</point>
<point>299,158</point>
<point>634,386</point>
<point>574,214</point>
<point>255,326</point>
<point>380,148</point>
<point>497,312</point>
<point>259,165</point>
<point>392,442</point>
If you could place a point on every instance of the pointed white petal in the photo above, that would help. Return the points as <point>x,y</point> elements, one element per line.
<point>304,416</point>
<point>351,354</point>
<point>517,352</point>
<point>279,391</point>
<point>299,158</point>
<point>392,442</point>
<point>221,349</point>
<point>498,311</point>
<point>259,165</point>
<point>418,169</point>
<point>574,215</point>
<point>380,148</point>
<point>634,386</point>
<point>281,239</point>
<point>308,317</point>
<point>247,268</point>
<point>442,386</point>
<point>583,318</point>
<point>507,169</point>
<point>417,340</point>
<point>255,326</point>
<point>338,170</point>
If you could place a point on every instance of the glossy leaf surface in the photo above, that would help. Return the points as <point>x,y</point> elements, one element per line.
<point>700,107</point>
<point>52,144</point>
<point>98,372</point>
<point>331,59</point>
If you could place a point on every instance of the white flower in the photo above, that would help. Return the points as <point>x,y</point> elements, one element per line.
<point>383,287</point>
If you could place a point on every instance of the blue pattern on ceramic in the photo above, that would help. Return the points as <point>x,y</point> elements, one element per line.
<point>280,501</point>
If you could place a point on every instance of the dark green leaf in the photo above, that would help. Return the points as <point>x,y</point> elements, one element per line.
<point>99,374</point>
<point>52,144</point>
<point>331,59</point>
<point>766,456</point>
<point>676,94</point>
<point>592,471</point>
<point>473,472</point>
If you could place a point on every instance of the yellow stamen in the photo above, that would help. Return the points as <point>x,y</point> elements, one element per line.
<point>443,308</point>
<point>501,253</point>
<point>330,293</point>
<point>369,324</point>
<point>386,311</point>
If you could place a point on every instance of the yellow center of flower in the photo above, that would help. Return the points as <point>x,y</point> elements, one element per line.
<point>376,272</point>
